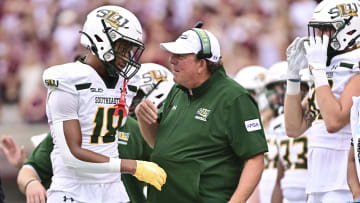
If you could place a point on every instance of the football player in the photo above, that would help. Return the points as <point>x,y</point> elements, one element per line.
<point>331,53</point>
<point>291,165</point>
<point>86,104</point>
<point>155,84</point>
<point>253,79</point>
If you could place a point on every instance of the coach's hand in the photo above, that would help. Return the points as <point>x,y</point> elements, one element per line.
<point>35,192</point>
<point>146,111</point>
<point>150,172</point>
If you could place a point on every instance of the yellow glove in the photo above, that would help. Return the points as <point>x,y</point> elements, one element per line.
<point>150,172</point>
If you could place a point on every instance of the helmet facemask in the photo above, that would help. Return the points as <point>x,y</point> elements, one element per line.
<point>141,95</point>
<point>321,28</point>
<point>275,93</point>
<point>125,52</point>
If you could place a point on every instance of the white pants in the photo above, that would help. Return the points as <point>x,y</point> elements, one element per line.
<point>294,195</point>
<point>85,193</point>
<point>336,196</point>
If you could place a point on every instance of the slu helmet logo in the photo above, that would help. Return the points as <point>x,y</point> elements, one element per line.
<point>113,18</point>
<point>344,10</point>
<point>202,114</point>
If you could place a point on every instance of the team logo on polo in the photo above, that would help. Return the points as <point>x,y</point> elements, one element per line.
<point>123,138</point>
<point>202,114</point>
<point>252,125</point>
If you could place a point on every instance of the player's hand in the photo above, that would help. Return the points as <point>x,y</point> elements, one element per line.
<point>296,58</point>
<point>146,111</point>
<point>316,51</point>
<point>35,192</point>
<point>150,172</point>
<point>14,154</point>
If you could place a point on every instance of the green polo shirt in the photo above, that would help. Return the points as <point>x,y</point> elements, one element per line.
<point>203,141</point>
<point>39,159</point>
<point>131,145</point>
<point>134,148</point>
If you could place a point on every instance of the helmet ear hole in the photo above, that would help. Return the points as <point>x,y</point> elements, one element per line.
<point>351,32</point>
<point>98,38</point>
<point>159,96</point>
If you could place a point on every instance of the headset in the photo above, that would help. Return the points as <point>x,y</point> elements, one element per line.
<point>205,51</point>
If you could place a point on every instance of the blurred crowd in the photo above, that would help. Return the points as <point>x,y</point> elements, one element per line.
<point>36,34</point>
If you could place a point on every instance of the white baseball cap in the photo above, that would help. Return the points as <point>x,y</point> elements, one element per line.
<point>189,42</point>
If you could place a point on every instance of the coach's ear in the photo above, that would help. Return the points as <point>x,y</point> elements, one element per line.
<point>202,66</point>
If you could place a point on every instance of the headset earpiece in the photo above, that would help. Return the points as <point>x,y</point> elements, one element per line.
<point>205,51</point>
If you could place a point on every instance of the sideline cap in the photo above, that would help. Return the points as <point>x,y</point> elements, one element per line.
<point>189,42</point>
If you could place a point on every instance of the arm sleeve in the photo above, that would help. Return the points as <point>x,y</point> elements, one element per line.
<point>63,106</point>
<point>246,133</point>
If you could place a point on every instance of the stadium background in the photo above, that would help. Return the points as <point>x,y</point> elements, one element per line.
<point>36,34</point>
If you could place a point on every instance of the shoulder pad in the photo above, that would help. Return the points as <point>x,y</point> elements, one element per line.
<point>67,77</point>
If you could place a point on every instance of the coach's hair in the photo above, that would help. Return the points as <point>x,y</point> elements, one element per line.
<point>213,66</point>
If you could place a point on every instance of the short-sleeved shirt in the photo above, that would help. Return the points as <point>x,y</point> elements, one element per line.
<point>131,145</point>
<point>40,160</point>
<point>204,139</point>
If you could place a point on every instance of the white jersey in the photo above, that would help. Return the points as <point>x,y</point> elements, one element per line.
<point>355,128</point>
<point>328,152</point>
<point>293,157</point>
<point>342,68</point>
<point>268,178</point>
<point>95,114</point>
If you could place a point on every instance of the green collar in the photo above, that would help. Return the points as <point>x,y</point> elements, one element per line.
<point>204,87</point>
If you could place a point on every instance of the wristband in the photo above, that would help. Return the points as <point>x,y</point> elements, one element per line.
<point>30,181</point>
<point>115,164</point>
<point>292,87</point>
<point>319,74</point>
<point>320,77</point>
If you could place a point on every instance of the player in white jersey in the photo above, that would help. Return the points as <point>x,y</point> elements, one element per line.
<point>253,79</point>
<point>353,172</point>
<point>86,104</point>
<point>333,60</point>
<point>292,152</point>
<point>268,177</point>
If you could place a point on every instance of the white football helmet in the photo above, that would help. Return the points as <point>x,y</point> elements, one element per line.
<point>103,27</point>
<point>156,82</point>
<point>253,78</point>
<point>341,18</point>
<point>276,84</point>
<point>276,73</point>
